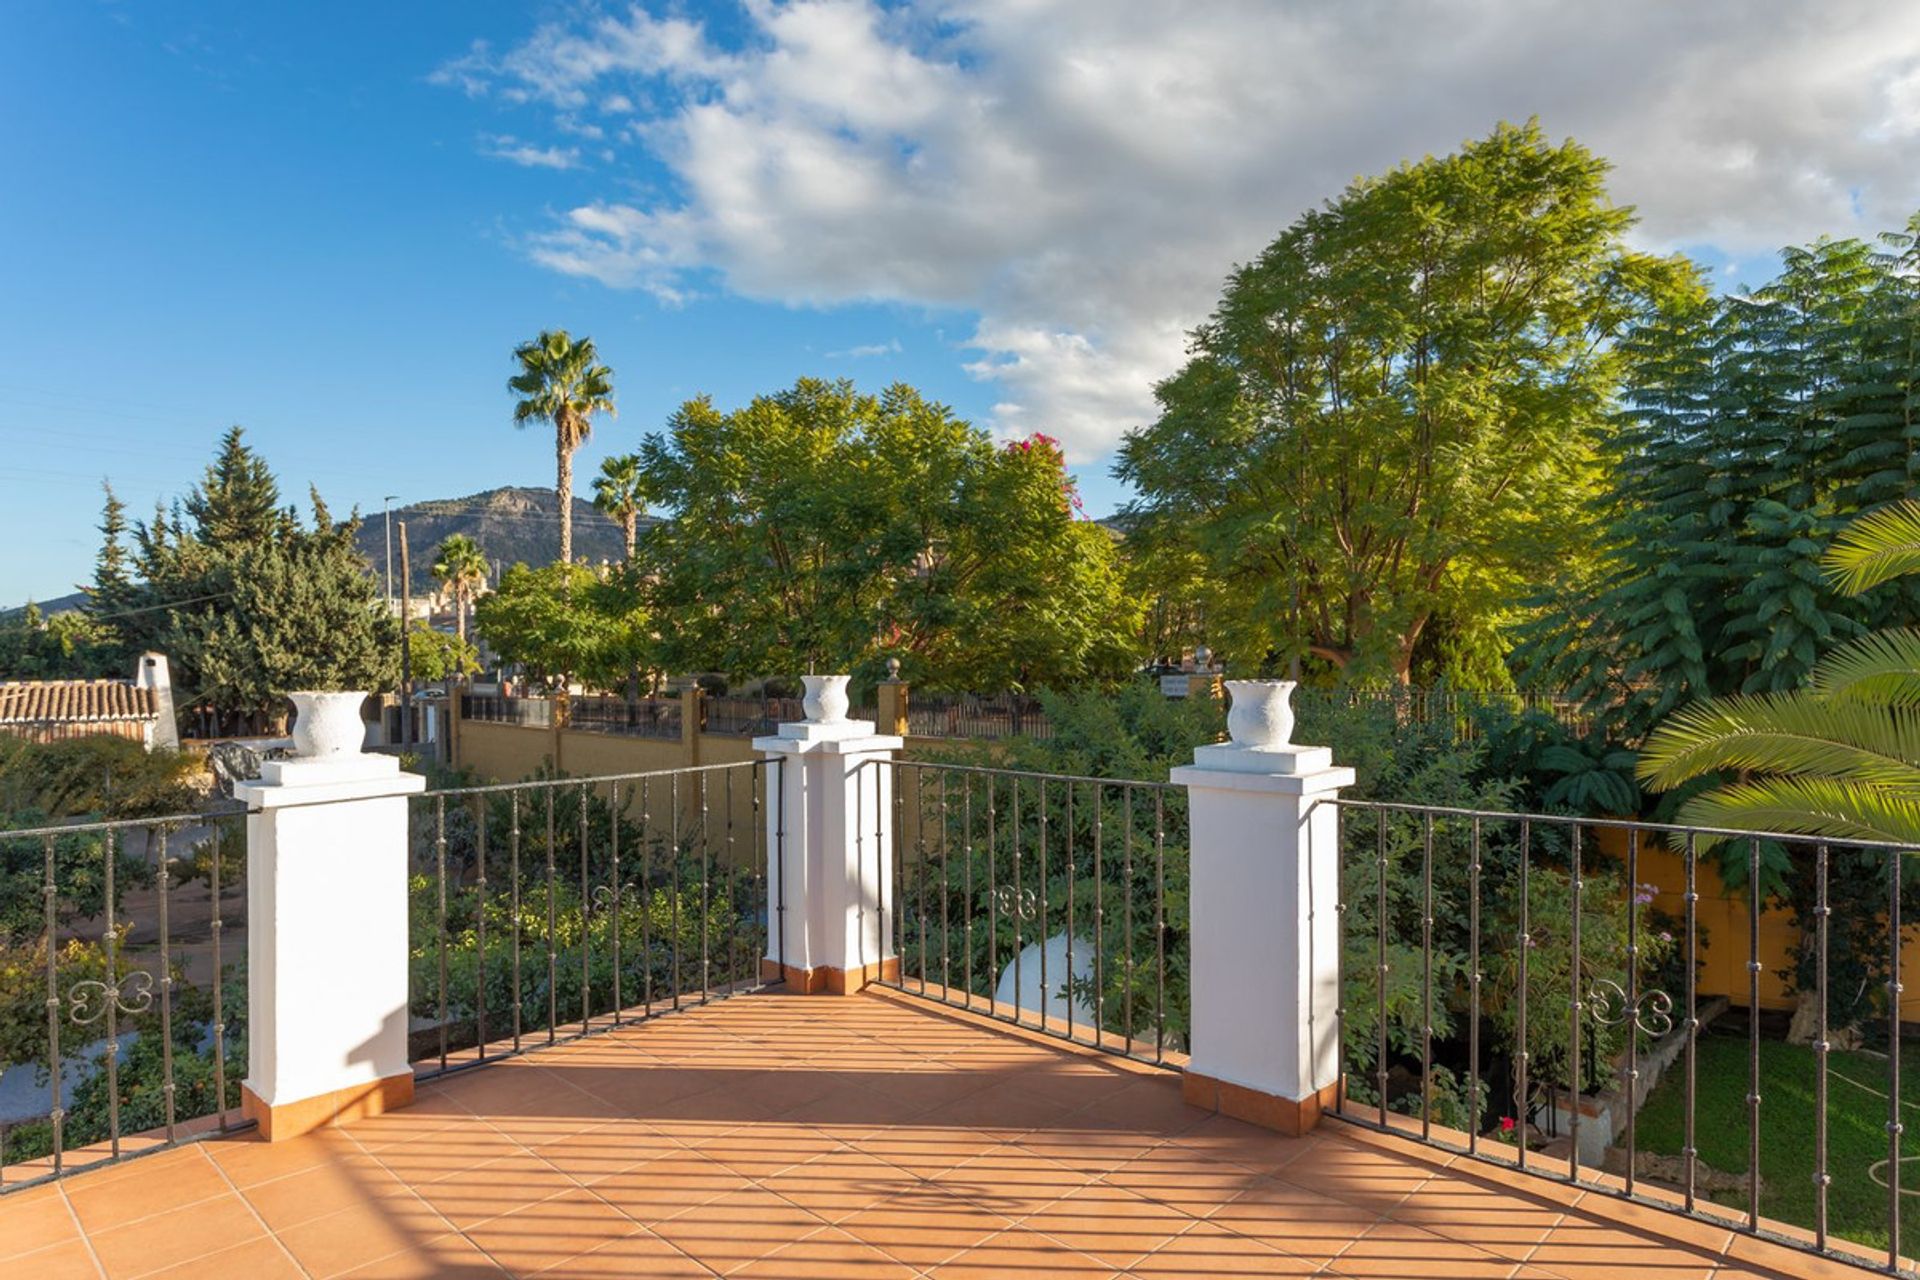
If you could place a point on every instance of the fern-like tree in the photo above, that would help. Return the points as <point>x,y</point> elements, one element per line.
<point>460,566</point>
<point>561,382</point>
<point>1756,426</point>
<point>1838,759</point>
<point>617,492</point>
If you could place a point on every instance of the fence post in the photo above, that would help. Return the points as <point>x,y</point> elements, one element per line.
<point>326,941</point>
<point>891,697</point>
<point>829,815</point>
<point>690,716</point>
<point>1264,927</point>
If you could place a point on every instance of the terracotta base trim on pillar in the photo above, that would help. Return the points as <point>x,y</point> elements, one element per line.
<point>831,982</point>
<point>355,1102</point>
<point>1289,1116</point>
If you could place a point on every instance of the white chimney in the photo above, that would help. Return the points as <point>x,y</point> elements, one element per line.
<point>153,673</point>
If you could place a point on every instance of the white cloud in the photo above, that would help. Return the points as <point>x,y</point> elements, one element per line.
<point>867,350</point>
<point>1082,173</point>
<point>527,155</point>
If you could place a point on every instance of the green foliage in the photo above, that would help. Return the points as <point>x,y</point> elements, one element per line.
<point>1389,426</point>
<point>247,602</point>
<point>98,776</point>
<point>1757,427</point>
<point>435,655</point>
<point>821,529</point>
<point>562,621</point>
<point>459,563</point>
<point>620,492</point>
<point>562,382</point>
<point>64,645</point>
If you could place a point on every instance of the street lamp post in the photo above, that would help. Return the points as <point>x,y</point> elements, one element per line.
<point>386,515</point>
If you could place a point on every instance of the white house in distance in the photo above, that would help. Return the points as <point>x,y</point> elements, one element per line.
<point>50,710</point>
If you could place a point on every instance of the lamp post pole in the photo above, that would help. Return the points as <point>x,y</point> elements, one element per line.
<point>386,515</point>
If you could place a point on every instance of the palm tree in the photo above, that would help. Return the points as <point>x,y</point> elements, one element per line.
<point>460,565</point>
<point>617,491</point>
<point>1840,758</point>
<point>562,382</point>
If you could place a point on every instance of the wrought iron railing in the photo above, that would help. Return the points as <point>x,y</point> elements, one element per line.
<point>548,910</point>
<point>122,990</point>
<point>640,718</point>
<point>749,717</point>
<point>967,715</point>
<point>1055,902</point>
<point>534,713</point>
<point>1510,980</point>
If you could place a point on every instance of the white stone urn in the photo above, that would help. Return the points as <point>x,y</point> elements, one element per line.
<point>825,700</point>
<point>327,725</point>
<point>1261,713</point>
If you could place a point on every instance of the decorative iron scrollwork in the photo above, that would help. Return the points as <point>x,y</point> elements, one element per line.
<point>1651,1011</point>
<point>1021,904</point>
<point>89,1001</point>
<point>604,896</point>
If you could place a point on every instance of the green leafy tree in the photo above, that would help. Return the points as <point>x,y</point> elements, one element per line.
<point>435,655</point>
<point>1756,427</point>
<point>1838,759</point>
<point>618,493</point>
<point>1388,429</point>
<point>561,382</point>
<point>822,529</point>
<point>248,602</point>
<point>562,622</point>
<point>460,566</point>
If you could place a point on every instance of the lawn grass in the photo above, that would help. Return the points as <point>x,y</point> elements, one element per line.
<point>1856,1132</point>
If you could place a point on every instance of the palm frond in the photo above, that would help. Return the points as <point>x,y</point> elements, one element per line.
<point>1883,667</point>
<point>1833,808</point>
<point>1875,548</point>
<point>1787,733</point>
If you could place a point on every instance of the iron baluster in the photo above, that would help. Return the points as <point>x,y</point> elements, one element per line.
<point>1160,924</point>
<point>706,897</point>
<point>513,854</point>
<point>1382,969</point>
<point>1690,1150</point>
<point>164,892</point>
<point>966,856</point>
<point>1821,1178</point>
<point>1632,1069</point>
<point>214,927</point>
<point>1426,977</point>
<point>1574,1008</point>
<point>1894,1126</point>
<point>1046,913</point>
<point>1473,986</point>
<point>646,897</point>
<point>480,927</point>
<point>553,932</point>
<point>586,925</point>
<point>619,914</point>
<point>673,827</point>
<point>1753,1034</point>
<point>1126,875</point>
<point>1068,842</point>
<point>56,1116</point>
<point>1523,1101</point>
<point>1099,923</point>
<point>440,914</point>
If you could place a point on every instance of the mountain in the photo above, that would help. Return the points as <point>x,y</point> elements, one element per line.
<point>511,525</point>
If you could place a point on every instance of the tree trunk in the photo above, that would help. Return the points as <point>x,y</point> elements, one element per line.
<point>631,524</point>
<point>460,614</point>
<point>563,487</point>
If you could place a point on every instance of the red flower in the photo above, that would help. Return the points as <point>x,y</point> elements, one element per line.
<point>1506,1124</point>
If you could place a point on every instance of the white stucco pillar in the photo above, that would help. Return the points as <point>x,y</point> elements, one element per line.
<point>829,815</point>
<point>326,941</point>
<point>1265,935</point>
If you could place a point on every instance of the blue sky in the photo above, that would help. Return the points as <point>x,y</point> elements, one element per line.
<point>265,215</point>
<point>330,224</point>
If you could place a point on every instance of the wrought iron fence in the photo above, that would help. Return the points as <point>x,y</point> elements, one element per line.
<point>122,995</point>
<point>548,910</point>
<point>968,715</point>
<point>1510,981</point>
<point>536,713</point>
<point>640,718</point>
<point>749,717</point>
<point>1462,711</point>
<point>1055,902</point>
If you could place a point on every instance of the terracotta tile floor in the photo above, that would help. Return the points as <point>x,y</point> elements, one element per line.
<point>861,1139</point>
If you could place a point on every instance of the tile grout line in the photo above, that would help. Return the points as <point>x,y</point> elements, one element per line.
<point>272,1235</point>
<point>86,1238</point>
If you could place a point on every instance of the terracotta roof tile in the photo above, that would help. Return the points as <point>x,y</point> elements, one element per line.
<point>70,701</point>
